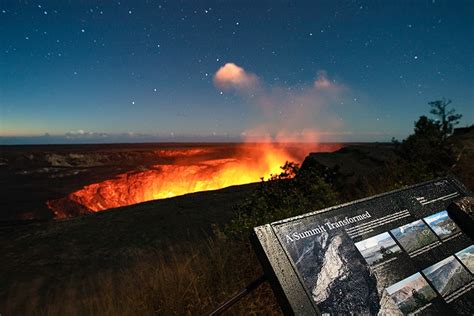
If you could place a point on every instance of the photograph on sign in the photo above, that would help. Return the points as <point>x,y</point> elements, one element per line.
<point>447,276</point>
<point>378,249</point>
<point>442,224</point>
<point>467,257</point>
<point>411,294</point>
<point>414,236</point>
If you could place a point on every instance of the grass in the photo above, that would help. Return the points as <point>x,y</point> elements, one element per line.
<point>188,280</point>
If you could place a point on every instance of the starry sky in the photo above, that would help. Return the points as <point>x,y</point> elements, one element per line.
<point>132,71</point>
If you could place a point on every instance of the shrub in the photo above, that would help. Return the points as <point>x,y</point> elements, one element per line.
<point>288,194</point>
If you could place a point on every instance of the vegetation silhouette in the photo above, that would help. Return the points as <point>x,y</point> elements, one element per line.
<point>446,119</point>
<point>429,152</point>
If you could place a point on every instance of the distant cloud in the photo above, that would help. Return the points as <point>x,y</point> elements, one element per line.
<point>84,134</point>
<point>101,138</point>
<point>231,76</point>
<point>78,132</point>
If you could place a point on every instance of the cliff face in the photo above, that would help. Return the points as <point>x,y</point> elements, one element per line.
<point>353,167</point>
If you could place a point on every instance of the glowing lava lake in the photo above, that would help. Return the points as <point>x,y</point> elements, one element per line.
<point>185,171</point>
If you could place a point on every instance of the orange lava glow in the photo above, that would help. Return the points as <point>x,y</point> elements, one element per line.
<point>246,165</point>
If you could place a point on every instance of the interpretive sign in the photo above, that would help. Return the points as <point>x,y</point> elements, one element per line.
<point>396,253</point>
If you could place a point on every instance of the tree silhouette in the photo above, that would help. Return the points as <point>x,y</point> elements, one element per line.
<point>428,129</point>
<point>446,118</point>
<point>429,152</point>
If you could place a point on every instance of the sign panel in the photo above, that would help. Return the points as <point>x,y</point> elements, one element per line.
<point>396,253</point>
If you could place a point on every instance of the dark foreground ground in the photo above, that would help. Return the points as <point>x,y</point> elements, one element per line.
<point>49,253</point>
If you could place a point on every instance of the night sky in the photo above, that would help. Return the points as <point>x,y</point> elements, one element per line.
<point>83,71</point>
